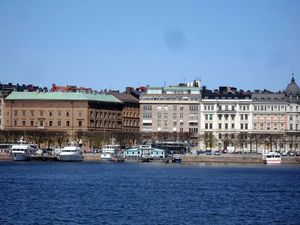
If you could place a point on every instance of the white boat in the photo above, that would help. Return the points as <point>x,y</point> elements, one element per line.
<point>22,152</point>
<point>70,153</point>
<point>271,158</point>
<point>110,152</point>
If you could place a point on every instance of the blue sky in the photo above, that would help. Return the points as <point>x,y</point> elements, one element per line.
<point>249,44</point>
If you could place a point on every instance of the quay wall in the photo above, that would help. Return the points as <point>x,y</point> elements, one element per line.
<point>91,157</point>
<point>234,158</point>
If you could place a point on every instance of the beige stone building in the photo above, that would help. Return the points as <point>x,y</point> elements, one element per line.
<point>173,109</point>
<point>2,112</point>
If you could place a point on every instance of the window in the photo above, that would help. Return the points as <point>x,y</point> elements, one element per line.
<point>15,113</point>
<point>147,107</point>
<point>68,114</point>
<point>246,126</point>
<point>80,114</point>
<point>165,123</point>
<point>242,126</point>
<point>193,108</point>
<point>226,126</point>
<point>15,123</point>
<point>59,113</point>
<point>23,123</point>
<point>232,126</point>
<point>158,115</point>
<point>181,116</point>
<point>210,126</point>
<point>165,115</point>
<point>50,123</point>
<point>50,113</point>
<point>80,123</point>
<point>67,123</point>
<point>31,123</point>
<point>59,123</point>
<point>23,113</point>
<point>32,113</point>
<point>255,126</point>
<point>206,125</point>
<point>220,126</point>
<point>147,115</point>
<point>41,113</point>
<point>41,123</point>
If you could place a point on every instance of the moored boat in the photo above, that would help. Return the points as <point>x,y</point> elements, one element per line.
<point>70,154</point>
<point>110,152</point>
<point>176,158</point>
<point>271,158</point>
<point>22,151</point>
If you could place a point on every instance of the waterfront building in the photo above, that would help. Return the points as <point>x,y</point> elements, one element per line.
<point>6,89</point>
<point>63,111</point>
<point>2,106</point>
<point>171,111</point>
<point>130,111</point>
<point>225,114</point>
<point>292,94</point>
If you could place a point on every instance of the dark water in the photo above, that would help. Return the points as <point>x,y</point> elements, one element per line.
<point>103,193</point>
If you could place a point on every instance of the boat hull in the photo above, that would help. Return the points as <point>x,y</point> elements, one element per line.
<point>20,156</point>
<point>269,162</point>
<point>106,157</point>
<point>70,158</point>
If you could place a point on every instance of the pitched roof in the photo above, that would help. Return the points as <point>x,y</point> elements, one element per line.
<point>74,96</point>
<point>125,97</point>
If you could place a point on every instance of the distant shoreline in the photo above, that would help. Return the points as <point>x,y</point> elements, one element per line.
<point>224,158</point>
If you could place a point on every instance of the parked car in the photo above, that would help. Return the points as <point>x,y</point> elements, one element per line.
<point>208,152</point>
<point>297,153</point>
<point>284,153</point>
<point>217,152</point>
<point>291,153</point>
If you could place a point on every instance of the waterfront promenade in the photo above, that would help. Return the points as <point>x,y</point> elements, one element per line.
<point>224,158</point>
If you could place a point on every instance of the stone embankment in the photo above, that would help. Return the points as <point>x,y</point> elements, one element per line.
<point>234,158</point>
<point>5,156</point>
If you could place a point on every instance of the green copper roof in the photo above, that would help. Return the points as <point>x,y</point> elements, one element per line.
<point>74,96</point>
